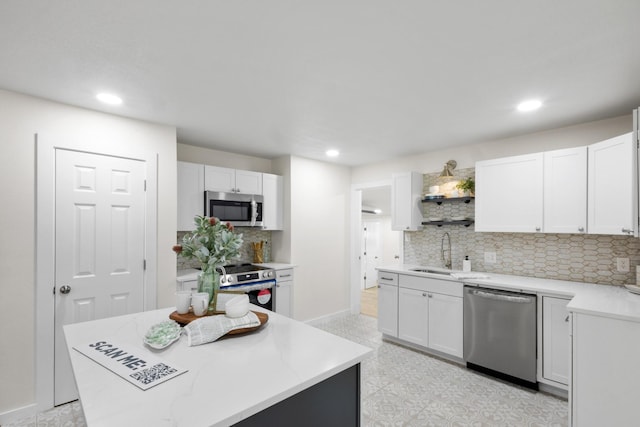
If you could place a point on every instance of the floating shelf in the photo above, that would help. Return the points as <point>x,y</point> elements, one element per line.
<point>466,199</point>
<point>466,222</point>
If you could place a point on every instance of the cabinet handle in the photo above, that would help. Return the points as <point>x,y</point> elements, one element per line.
<point>424,294</point>
<point>537,228</point>
<point>386,278</point>
<point>379,286</point>
<point>581,229</point>
<point>567,318</point>
<point>285,275</point>
<point>626,230</point>
<point>430,295</point>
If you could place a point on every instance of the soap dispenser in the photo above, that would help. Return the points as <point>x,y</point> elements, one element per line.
<point>466,264</point>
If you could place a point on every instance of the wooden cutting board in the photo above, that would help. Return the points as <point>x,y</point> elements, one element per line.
<point>186,318</point>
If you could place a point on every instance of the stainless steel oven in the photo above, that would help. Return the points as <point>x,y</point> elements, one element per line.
<point>259,283</point>
<point>241,210</point>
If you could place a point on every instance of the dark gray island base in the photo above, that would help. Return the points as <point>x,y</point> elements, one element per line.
<point>332,402</point>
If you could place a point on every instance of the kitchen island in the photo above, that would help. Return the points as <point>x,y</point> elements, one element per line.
<point>285,373</point>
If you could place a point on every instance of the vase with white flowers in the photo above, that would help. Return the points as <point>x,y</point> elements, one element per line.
<point>213,244</point>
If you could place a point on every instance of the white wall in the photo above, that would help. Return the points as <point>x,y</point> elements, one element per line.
<point>207,156</point>
<point>467,155</point>
<point>21,118</point>
<point>319,237</point>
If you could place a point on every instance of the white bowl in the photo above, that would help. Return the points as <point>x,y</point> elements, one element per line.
<point>237,307</point>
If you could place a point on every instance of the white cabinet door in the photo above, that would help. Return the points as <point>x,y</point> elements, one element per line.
<point>413,316</point>
<point>406,209</point>
<point>248,182</point>
<point>565,191</point>
<point>284,292</point>
<point>232,180</point>
<point>219,179</point>
<point>388,309</point>
<point>604,388</point>
<point>509,194</point>
<point>612,200</point>
<point>190,194</point>
<point>555,340</point>
<point>273,207</point>
<point>445,324</point>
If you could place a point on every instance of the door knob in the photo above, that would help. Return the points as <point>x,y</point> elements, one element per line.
<point>65,289</point>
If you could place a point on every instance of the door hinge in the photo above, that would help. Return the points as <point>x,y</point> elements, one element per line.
<point>54,290</point>
<point>144,264</point>
<point>145,185</point>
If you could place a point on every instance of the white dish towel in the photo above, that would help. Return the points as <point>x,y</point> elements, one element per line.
<point>472,275</point>
<point>210,328</point>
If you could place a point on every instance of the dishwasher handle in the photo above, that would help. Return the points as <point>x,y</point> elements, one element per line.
<point>501,297</point>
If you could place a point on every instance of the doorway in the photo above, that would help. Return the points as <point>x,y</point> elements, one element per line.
<point>378,243</point>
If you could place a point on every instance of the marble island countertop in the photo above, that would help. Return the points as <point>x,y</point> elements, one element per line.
<point>227,380</point>
<point>603,300</point>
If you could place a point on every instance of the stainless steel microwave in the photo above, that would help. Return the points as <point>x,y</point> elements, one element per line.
<point>241,210</point>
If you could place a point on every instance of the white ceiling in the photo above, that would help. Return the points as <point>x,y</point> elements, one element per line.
<point>373,78</point>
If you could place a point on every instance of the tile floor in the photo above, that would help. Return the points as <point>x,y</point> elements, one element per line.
<point>402,387</point>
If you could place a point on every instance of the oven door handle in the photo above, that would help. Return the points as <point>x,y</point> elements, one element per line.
<point>501,297</point>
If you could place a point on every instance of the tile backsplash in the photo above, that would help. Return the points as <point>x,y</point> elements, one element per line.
<point>249,235</point>
<point>575,257</point>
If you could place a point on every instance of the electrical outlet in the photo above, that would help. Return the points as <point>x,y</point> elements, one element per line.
<point>490,257</point>
<point>623,264</point>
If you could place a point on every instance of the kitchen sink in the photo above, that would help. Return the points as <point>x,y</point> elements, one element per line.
<point>431,271</point>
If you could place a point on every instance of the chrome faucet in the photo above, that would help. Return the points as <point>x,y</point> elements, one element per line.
<point>447,260</point>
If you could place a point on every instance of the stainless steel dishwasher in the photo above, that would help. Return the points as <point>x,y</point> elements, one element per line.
<point>500,334</point>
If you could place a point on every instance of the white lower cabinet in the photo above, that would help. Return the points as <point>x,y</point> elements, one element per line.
<point>388,303</point>
<point>413,316</point>
<point>604,388</point>
<point>445,324</point>
<point>284,292</point>
<point>554,366</point>
<point>430,313</point>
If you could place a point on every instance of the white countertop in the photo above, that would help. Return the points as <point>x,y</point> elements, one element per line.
<point>228,380</point>
<point>588,298</point>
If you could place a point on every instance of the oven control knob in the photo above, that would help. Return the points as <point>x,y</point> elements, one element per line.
<point>230,279</point>
<point>223,279</point>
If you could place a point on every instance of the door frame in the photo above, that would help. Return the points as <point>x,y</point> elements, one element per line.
<point>46,146</point>
<point>356,238</point>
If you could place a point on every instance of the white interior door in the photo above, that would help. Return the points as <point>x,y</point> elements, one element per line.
<point>372,252</point>
<point>99,246</point>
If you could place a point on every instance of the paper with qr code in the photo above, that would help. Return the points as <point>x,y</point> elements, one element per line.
<point>135,365</point>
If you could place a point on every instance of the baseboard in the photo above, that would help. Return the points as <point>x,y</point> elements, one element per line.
<point>17,414</point>
<point>318,320</point>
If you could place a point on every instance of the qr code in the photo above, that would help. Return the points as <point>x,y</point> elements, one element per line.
<point>153,373</point>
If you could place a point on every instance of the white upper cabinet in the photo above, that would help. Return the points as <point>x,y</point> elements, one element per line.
<point>232,180</point>
<point>406,209</point>
<point>190,194</point>
<point>612,187</point>
<point>509,194</point>
<point>273,207</point>
<point>565,191</point>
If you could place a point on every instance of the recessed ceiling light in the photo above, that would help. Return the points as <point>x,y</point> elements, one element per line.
<point>530,105</point>
<point>332,153</point>
<point>109,98</point>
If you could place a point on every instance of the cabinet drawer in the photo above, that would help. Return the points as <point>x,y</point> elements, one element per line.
<point>387,278</point>
<point>427,284</point>
<point>284,275</point>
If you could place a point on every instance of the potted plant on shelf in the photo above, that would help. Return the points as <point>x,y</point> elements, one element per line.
<point>467,186</point>
<point>213,244</point>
